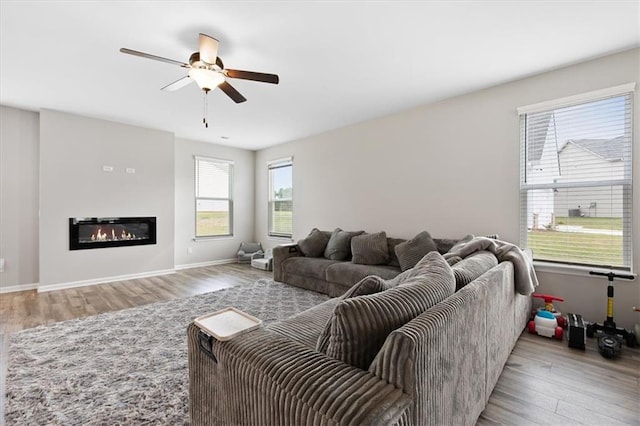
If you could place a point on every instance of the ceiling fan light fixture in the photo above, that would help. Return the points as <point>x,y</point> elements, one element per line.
<point>206,79</point>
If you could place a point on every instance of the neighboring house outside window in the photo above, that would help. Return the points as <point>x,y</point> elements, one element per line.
<point>214,199</point>
<point>575,180</point>
<point>281,198</point>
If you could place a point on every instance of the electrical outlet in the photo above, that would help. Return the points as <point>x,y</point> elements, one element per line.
<point>189,250</point>
<point>1,265</point>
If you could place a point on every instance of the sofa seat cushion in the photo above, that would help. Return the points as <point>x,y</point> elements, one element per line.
<point>305,327</point>
<point>359,325</point>
<point>348,273</point>
<point>315,267</point>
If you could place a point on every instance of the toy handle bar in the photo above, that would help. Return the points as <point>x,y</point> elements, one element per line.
<point>612,275</point>
<point>548,298</point>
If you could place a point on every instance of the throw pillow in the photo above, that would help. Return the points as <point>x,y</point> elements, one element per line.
<point>339,245</point>
<point>368,285</point>
<point>360,325</point>
<point>410,252</point>
<point>472,266</point>
<point>315,243</point>
<point>421,268</point>
<point>370,249</point>
<point>391,246</point>
<point>445,244</point>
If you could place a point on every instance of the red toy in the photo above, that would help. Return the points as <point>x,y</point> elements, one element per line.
<point>547,321</point>
<point>548,306</point>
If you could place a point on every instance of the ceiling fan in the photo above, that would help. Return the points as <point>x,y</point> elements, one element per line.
<point>207,70</point>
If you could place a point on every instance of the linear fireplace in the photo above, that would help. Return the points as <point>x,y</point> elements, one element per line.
<point>100,232</point>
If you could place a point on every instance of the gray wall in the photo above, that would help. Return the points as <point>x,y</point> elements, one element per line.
<point>211,249</point>
<point>73,150</point>
<point>451,168</point>
<point>19,141</point>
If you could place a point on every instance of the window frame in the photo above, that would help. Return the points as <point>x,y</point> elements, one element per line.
<point>626,183</point>
<point>197,197</point>
<point>273,165</point>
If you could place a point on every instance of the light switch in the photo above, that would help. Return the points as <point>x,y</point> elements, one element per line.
<point>130,170</point>
<point>107,168</point>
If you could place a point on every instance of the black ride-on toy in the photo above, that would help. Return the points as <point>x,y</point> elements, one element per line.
<point>609,336</point>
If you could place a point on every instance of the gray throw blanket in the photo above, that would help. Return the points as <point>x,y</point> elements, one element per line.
<point>525,277</point>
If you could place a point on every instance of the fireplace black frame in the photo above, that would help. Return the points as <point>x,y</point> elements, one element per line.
<point>76,222</point>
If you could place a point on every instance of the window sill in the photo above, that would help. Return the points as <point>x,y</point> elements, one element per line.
<point>280,239</point>
<point>571,269</point>
<point>213,238</point>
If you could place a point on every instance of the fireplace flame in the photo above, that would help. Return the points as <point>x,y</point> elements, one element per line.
<point>103,236</point>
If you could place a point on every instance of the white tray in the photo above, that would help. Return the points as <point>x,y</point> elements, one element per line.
<point>227,323</point>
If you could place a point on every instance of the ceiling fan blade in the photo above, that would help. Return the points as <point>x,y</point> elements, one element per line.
<point>255,76</point>
<point>232,92</point>
<point>208,47</point>
<point>178,84</point>
<point>154,57</point>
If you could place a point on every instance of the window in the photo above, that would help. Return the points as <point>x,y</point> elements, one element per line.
<point>575,185</point>
<point>281,198</point>
<point>214,202</point>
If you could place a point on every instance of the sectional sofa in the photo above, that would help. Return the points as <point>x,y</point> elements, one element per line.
<point>311,264</point>
<point>406,351</point>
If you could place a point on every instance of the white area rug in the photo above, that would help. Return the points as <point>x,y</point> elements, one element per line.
<point>125,367</point>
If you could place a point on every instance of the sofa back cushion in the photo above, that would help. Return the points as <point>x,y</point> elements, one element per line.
<point>339,245</point>
<point>472,266</point>
<point>315,243</point>
<point>347,273</point>
<point>359,325</point>
<point>314,268</point>
<point>370,249</point>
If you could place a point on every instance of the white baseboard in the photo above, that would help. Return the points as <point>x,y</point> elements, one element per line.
<point>201,264</point>
<point>103,280</point>
<point>18,287</point>
<point>73,284</point>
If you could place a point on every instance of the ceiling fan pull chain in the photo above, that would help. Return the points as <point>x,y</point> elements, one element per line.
<point>204,109</point>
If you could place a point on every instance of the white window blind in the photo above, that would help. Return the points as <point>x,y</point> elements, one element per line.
<point>281,198</point>
<point>214,203</point>
<point>576,183</point>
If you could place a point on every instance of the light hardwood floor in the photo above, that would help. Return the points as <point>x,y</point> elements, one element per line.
<point>544,381</point>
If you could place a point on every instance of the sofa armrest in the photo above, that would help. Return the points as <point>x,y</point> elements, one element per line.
<point>280,254</point>
<point>444,348</point>
<point>264,378</point>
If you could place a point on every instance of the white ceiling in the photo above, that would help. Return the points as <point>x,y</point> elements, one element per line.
<point>339,62</point>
